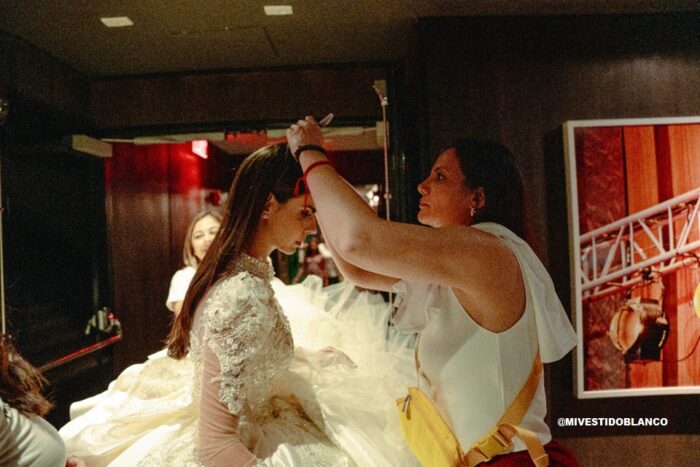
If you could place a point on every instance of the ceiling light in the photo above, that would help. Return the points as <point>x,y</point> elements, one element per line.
<point>117,21</point>
<point>278,10</point>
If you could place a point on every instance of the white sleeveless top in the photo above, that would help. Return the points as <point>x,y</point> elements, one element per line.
<point>474,374</point>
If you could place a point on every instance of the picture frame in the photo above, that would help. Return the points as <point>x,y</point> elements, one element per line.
<point>633,192</point>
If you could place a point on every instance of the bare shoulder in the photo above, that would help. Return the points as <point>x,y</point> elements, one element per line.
<point>479,255</point>
<point>495,295</point>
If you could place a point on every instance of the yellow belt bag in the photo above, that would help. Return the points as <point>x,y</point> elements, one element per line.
<point>433,443</point>
<point>426,432</point>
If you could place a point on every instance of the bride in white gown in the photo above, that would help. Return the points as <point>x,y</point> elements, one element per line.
<point>237,391</point>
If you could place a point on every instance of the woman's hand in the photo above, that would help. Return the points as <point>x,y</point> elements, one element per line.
<point>304,132</point>
<point>327,356</point>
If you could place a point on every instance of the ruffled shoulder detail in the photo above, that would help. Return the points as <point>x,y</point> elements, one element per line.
<point>555,334</point>
<point>415,305</point>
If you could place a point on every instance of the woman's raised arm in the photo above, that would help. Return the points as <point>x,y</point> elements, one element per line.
<point>362,277</point>
<point>462,257</point>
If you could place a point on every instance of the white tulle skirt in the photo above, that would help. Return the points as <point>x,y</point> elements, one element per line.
<point>150,404</point>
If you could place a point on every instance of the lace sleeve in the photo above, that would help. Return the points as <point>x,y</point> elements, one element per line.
<point>236,318</point>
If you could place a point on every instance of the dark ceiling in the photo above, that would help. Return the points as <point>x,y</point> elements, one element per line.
<point>193,35</point>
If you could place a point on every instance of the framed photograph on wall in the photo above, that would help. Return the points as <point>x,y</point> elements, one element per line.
<point>633,191</point>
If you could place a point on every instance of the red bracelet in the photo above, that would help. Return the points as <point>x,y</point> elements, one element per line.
<point>302,179</point>
<point>314,165</point>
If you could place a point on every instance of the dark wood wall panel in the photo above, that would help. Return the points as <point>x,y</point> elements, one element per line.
<point>236,97</point>
<point>53,241</point>
<point>517,80</point>
<point>137,213</point>
<point>40,78</point>
<point>54,231</point>
<point>29,75</point>
<point>153,191</point>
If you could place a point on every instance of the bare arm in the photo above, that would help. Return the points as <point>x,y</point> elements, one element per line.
<point>300,273</point>
<point>476,263</point>
<point>361,277</point>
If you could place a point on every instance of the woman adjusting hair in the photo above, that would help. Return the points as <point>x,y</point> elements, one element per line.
<point>482,304</point>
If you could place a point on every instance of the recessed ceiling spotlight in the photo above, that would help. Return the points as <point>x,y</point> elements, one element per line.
<point>278,10</point>
<point>117,21</point>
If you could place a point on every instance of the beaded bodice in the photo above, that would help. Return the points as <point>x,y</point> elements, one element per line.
<point>242,323</point>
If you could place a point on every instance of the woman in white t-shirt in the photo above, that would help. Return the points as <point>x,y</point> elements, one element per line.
<point>200,233</point>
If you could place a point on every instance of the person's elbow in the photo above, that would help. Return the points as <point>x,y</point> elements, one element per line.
<point>353,244</point>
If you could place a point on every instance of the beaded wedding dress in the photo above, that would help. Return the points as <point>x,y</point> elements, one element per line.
<point>255,377</point>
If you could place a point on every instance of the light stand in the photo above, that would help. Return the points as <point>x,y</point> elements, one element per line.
<point>380,89</point>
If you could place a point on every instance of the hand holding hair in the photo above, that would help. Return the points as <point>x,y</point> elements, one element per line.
<point>307,134</point>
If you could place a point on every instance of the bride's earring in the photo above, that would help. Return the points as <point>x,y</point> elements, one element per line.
<point>266,209</point>
<point>473,211</point>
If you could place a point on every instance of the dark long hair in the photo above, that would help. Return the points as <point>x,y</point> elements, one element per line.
<point>492,166</point>
<point>21,384</point>
<point>269,170</point>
